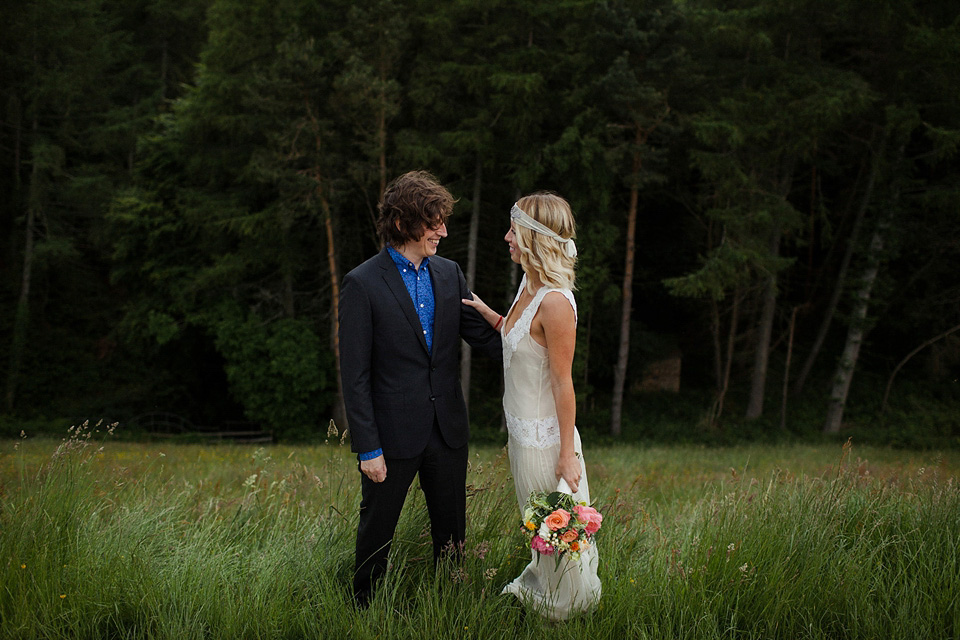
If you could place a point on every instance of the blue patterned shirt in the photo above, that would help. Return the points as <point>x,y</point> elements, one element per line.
<point>420,287</point>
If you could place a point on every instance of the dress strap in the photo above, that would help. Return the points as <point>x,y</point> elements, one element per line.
<point>542,293</point>
<point>526,318</point>
<point>523,283</point>
<point>520,328</point>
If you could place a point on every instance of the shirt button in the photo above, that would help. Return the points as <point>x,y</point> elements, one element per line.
<point>421,306</point>
<point>433,398</point>
<point>424,332</point>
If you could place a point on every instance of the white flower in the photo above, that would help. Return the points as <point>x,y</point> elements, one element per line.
<point>544,531</point>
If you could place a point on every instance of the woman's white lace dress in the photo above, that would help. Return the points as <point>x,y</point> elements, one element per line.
<point>534,446</point>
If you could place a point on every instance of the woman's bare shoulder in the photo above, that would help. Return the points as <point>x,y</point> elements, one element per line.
<point>557,307</point>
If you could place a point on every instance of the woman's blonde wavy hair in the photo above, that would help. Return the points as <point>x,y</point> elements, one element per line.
<point>541,254</point>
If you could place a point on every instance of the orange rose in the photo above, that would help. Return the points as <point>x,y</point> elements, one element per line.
<point>557,520</point>
<point>569,536</point>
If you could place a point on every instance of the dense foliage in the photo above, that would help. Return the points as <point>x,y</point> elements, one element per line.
<point>771,188</point>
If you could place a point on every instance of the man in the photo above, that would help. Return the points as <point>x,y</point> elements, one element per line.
<point>401,321</point>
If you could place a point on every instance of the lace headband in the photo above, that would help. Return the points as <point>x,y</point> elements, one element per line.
<point>520,216</point>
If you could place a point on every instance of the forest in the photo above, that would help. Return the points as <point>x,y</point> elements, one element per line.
<point>767,196</point>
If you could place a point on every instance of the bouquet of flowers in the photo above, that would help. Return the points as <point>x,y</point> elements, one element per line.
<point>557,525</point>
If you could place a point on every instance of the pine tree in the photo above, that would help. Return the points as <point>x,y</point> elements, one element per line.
<point>773,102</point>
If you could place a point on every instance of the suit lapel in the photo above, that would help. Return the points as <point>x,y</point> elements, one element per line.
<point>395,283</point>
<point>440,284</point>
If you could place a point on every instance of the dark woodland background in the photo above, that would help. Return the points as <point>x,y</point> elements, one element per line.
<point>767,197</point>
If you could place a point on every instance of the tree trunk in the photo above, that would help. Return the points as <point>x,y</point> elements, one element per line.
<point>786,370</point>
<point>340,413</point>
<point>382,144</point>
<point>21,321</point>
<point>385,65</point>
<point>831,309</point>
<point>715,328</point>
<point>623,354</point>
<point>339,410</point>
<point>287,294</point>
<point>164,59</point>
<point>15,117</point>
<point>466,357</point>
<point>811,227</point>
<point>723,365</point>
<point>857,330</point>
<point>761,356</point>
<point>585,352</point>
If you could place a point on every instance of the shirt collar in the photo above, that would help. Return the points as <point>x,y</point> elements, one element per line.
<point>401,261</point>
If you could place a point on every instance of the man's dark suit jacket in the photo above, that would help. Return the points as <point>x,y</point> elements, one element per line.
<point>392,387</point>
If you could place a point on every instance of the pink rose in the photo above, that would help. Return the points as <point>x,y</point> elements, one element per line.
<point>540,545</point>
<point>569,536</point>
<point>558,519</point>
<point>589,516</point>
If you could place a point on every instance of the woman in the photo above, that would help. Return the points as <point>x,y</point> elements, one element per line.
<point>539,335</point>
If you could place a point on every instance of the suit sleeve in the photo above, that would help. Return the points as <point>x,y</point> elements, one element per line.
<point>476,331</point>
<point>356,348</point>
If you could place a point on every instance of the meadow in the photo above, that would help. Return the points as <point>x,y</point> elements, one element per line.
<point>101,538</point>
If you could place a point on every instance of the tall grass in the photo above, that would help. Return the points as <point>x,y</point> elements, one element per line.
<point>177,541</point>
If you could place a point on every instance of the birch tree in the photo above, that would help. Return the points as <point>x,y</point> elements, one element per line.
<point>858,323</point>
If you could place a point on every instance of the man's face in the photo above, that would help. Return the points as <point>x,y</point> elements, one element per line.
<point>426,245</point>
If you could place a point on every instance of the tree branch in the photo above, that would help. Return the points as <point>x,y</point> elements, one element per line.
<point>886,393</point>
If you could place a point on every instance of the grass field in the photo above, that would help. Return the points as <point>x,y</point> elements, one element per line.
<point>108,539</point>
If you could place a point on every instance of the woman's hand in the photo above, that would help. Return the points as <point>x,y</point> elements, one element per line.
<point>568,468</point>
<point>486,312</point>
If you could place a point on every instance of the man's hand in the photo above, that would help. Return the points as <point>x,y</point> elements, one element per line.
<point>375,469</point>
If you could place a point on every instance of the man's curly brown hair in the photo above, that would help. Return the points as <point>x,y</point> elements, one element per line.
<point>415,200</point>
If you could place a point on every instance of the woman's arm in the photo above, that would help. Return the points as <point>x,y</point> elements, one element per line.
<point>488,314</point>
<point>559,324</point>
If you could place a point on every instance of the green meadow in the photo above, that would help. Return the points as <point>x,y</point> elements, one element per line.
<point>101,538</point>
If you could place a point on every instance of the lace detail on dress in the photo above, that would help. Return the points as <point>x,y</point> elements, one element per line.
<point>537,433</point>
<point>522,327</point>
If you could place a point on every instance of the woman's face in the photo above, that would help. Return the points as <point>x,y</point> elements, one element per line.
<point>511,239</point>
